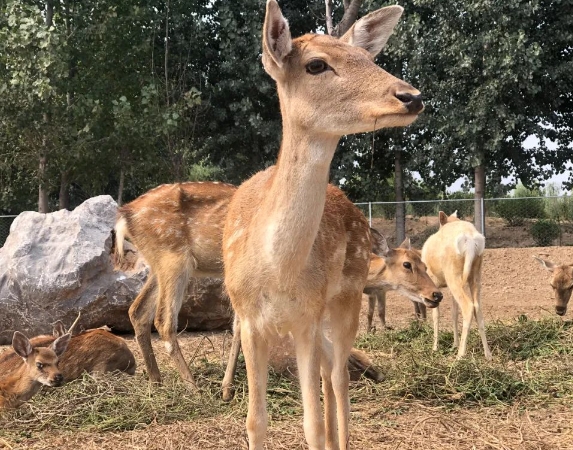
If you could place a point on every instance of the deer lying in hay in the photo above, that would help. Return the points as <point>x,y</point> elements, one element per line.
<point>92,351</point>
<point>453,256</point>
<point>37,366</point>
<point>561,282</point>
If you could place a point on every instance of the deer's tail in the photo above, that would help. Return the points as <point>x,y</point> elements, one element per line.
<point>470,247</point>
<point>121,232</point>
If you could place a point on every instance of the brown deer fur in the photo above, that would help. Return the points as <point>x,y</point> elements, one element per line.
<point>91,351</point>
<point>178,229</point>
<point>296,249</point>
<point>39,366</point>
<point>561,282</point>
<point>454,258</point>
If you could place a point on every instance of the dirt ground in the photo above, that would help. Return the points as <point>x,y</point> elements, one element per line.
<point>512,284</point>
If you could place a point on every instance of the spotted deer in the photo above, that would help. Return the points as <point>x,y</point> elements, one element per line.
<point>454,256</point>
<point>178,229</point>
<point>400,269</point>
<point>92,351</point>
<point>39,367</point>
<point>294,248</point>
<point>561,282</point>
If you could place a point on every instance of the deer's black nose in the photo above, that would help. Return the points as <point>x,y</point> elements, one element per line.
<point>413,102</point>
<point>560,310</point>
<point>437,296</point>
<point>58,379</point>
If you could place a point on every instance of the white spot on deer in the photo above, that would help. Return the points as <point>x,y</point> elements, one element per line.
<point>168,347</point>
<point>365,254</point>
<point>230,255</point>
<point>236,235</point>
<point>354,224</point>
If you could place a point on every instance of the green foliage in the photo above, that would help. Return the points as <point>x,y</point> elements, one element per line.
<point>524,204</point>
<point>544,232</point>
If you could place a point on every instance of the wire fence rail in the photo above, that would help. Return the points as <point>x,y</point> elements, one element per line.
<point>506,222</point>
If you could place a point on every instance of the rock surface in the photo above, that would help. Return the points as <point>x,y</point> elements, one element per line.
<point>55,265</point>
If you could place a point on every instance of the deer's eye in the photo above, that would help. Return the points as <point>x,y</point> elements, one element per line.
<point>407,265</point>
<point>39,365</point>
<point>317,66</point>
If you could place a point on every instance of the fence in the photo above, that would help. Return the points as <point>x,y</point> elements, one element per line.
<point>507,222</point>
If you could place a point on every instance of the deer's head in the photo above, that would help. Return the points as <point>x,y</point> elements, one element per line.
<point>333,86</point>
<point>41,362</point>
<point>402,269</point>
<point>444,218</point>
<point>561,282</point>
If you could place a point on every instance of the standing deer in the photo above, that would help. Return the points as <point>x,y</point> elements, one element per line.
<point>40,367</point>
<point>377,294</point>
<point>178,229</point>
<point>295,248</point>
<point>561,282</point>
<point>399,269</point>
<point>454,256</point>
<point>91,351</point>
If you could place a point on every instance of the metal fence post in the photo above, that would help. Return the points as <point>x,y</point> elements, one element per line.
<point>482,216</point>
<point>370,213</point>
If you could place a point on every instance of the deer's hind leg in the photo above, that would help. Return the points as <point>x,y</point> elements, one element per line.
<point>475,288</point>
<point>173,282</point>
<point>231,370</point>
<point>141,314</point>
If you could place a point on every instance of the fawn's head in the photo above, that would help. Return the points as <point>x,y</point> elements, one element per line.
<point>41,362</point>
<point>402,269</point>
<point>561,282</point>
<point>444,218</point>
<point>333,86</point>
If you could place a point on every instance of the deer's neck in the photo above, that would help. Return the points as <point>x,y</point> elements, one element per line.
<point>294,204</point>
<point>18,388</point>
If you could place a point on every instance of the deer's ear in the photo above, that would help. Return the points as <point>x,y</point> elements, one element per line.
<point>548,265</point>
<point>372,31</point>
<point>60,345</point>
<point>59,329</point>
<point>406,244</point>
<point>443,218</point>
<point>21,345</point>
<point>277,41</point>
<point>379,245</point>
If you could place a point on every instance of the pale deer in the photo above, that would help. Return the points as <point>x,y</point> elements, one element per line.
<point>561,282</point>
<point>92,351</point>
<point>294,248</point>
<point>178,229</point>
<point>39,367</point>
<point>454,256</point>
<point>399,269</point>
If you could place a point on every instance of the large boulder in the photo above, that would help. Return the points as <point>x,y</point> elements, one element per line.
<point>54,266</point>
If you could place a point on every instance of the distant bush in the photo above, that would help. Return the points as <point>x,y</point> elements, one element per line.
<point>544,232</point>
<point>521,206</point>
<point>464,206</point>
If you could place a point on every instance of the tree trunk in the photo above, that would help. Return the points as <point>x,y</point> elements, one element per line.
<point>120,189</point>
<point>400,207</point>
<point>351,9</point>
<point>43,159</point>
<point>43,189</point>
<point>479,183</point>
<point>64,190</point>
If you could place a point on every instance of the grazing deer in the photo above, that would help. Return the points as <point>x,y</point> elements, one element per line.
<point>454,256</point>
<point>91,351</point>
<point>561,282</point>
<point>294,248</point>
<point>39,367</point>
<point>399,269</point>
<point>178,229</point>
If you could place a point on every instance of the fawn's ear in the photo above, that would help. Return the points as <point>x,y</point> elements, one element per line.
<point>406,244</point>
<point>379,245</point>
<point>372,31</point>
<point>21,345</point>
<point>548,265</point>
<point>277,41</point>
<point>443,218</point>
<point>60,345</point>
<point>59,329</point>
